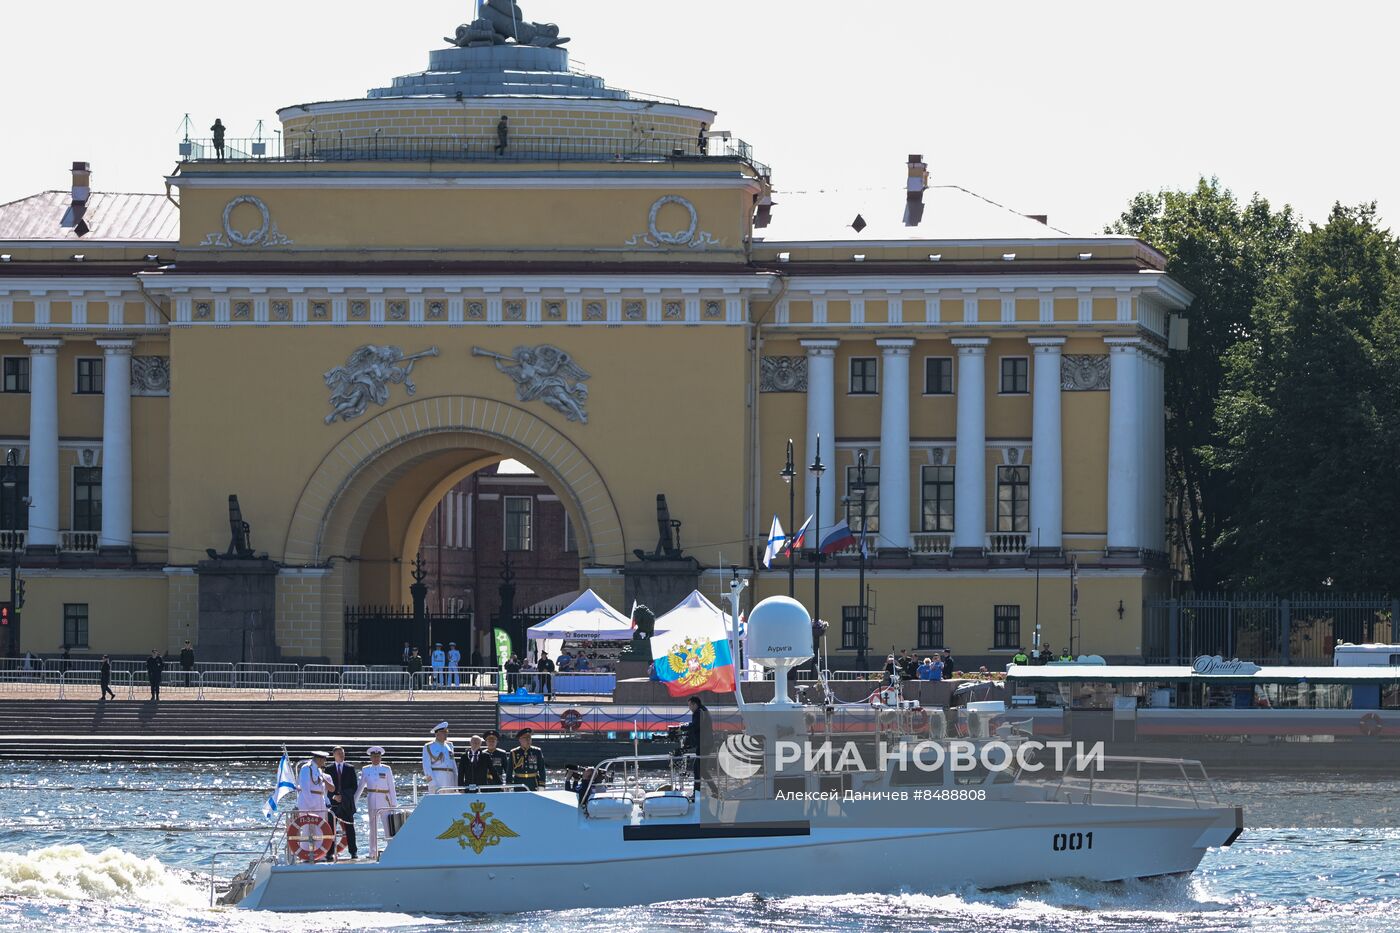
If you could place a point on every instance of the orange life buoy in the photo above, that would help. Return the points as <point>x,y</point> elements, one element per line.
<point>1371,724</point>
<point>309,837</point>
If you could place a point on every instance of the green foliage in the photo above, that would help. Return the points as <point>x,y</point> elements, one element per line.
<point>1311,414</point>
<point>1224,253</point>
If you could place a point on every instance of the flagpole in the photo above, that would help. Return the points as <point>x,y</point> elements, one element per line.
<point>862,635</point>
<point>817,469</point>
<point>789,474</point>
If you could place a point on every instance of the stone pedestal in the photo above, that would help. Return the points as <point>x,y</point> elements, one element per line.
<point>237,611</point>
<point>659,584</point>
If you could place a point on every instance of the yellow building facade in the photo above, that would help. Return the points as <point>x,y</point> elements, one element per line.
<point>503,258</point>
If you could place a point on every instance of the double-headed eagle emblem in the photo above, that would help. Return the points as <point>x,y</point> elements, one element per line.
<point>478,829</point>
<point>692,659</point>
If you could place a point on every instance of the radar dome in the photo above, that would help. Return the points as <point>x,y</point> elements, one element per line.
<point>779,630</point>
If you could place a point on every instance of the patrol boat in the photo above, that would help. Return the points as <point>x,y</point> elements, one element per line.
<point>762,823</point>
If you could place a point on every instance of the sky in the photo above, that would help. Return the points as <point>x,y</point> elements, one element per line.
<point>1058,108</point>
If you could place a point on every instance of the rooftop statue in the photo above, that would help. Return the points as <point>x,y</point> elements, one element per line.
<point>501,20</point>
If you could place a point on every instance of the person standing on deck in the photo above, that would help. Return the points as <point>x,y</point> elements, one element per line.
<point>345,785</point>
<point>498,762</point>
<point>527,762</point>
<point>439,761</point>
<point>377,787</point>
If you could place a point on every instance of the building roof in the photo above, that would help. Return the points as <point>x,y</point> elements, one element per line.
<point>950,213</point>
<point>109,216</point>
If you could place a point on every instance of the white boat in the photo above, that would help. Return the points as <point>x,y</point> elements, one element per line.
<point>768,826</point>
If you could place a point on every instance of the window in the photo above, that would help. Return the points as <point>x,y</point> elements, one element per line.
<point>519,523</point>
<point>930,627</point>
<point>871,492</point>
<point>75,625</point>
<point>853,633</point>
<point>13,512</point>
<point>16,374</point>
<point>863,375</point>
<point>1014,499</point>
<point>89,376</point>
<point>1006,627</point>
<point>938,375</point>
<point>1015,371</point>
<point>87,498</point>
<point>937,499</point>
<point>570,540</point>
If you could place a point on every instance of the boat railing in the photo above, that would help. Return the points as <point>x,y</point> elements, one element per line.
<point>678,767</point>
<point>1091,779</point>
<point>258,856</point>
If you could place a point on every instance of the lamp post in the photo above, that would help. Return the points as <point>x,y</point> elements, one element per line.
<point>862,634</point>
<point>11,497</point>
<point>817,469</point>
<point>788,474</point>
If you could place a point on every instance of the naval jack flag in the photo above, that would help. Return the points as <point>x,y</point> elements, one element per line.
<point>776,543</point>
<point>286,783</point>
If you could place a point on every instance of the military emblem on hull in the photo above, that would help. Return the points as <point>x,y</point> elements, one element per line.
<point>545,374</point>
<point>478,829</point>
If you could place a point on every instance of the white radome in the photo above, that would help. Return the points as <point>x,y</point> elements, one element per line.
<point>779,629</point>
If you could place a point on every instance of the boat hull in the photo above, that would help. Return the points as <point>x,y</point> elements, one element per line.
<point>601,864</point>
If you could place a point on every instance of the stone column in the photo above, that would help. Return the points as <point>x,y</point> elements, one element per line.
<point>1047,511</point>
<point>1124,444</point>
<point>44,488</point>
<point>116,445</point>
<point>970,470</point>
<point>821,421</point>
<point>894,447</point>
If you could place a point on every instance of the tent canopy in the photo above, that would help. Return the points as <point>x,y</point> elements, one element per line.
<point>587,618</point>
<point>693,612</point>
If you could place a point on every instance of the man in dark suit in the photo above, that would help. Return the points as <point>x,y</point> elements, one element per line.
<point>344,783</point>
<point>475,767</point>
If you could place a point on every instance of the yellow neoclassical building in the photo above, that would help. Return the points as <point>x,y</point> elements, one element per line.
<point>501,257</point>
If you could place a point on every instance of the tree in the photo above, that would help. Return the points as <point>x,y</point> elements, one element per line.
<point>1311,413</point>
<point>1223,253</point>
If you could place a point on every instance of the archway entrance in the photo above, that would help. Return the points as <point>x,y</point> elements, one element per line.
<point>363,513</point>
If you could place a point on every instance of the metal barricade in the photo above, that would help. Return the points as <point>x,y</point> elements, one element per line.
<point>216,674</point>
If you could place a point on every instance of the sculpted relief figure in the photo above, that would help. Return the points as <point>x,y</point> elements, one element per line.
<point>545,374</point>
<point>501,20</point>
<point>367,376</point>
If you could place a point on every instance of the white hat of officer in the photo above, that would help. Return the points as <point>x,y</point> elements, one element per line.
<point>440,727</point>
<point>375,750</point>
<point>320,754</point>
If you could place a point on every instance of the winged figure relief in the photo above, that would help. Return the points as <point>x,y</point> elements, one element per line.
<point>478,829</point>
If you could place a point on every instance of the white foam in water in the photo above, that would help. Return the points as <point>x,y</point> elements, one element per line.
<point>72,873</point>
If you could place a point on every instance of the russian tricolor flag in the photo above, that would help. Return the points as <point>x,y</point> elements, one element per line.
<point>838,538</point>
<point>799,540</point>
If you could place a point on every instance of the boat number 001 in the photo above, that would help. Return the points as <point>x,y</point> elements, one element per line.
<point>1072,842</point>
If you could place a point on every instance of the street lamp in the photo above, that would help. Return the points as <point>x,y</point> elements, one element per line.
<point>789,473</point>
<point>817,469</point>
<point>11,498</point>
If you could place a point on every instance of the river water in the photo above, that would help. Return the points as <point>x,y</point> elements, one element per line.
<point>103,847</point>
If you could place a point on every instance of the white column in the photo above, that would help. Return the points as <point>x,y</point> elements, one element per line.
<point>821,421</point>
<point>43,443</point>
<point>970,470</point>
<point>1124,443</point>
<point>1156,470</point>
<point>116,444</point>
<point>1047,511</point>
<point>894,446</point>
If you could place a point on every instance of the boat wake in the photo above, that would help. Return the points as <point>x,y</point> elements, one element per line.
<point>72,873</point>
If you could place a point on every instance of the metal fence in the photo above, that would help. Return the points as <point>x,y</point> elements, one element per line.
<point>1265,628</point>
<point>337,147</point>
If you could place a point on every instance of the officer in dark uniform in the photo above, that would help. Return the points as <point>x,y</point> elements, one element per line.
<point>498,762</point>
<point>527,762</point>
<point>700,741</point>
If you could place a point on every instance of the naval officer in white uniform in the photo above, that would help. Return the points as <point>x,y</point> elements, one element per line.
<point>313,784</point>
<point>377,787</point>
<point>454,664</point>
<point>440,761</point>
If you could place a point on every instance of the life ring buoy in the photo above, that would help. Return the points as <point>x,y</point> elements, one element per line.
<point>1371,724</point>
<point>309,837</point>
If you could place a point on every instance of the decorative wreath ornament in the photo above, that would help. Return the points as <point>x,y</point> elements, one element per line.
<point>309,837</point>
<point>678,238</point>
<point>237,236</point>
<point>1371,724</point>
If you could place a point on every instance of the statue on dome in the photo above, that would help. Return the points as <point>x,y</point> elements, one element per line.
<point>501,20</point>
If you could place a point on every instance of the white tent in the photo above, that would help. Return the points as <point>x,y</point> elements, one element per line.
<point>587,618</point>
<point>693,612</point>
